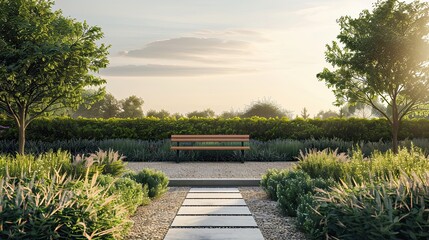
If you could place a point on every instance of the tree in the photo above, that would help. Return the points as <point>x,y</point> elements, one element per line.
<point>132,107</point>
<point>208,113</point>
<point>305,114</point>
<point>46,60</point>
<point>161,114</point>
<point>106,107</point>
<point>231,114</point>
<point>266,109</point>
<point>383,57</point>
<point>328,114</point>
<point>110,107</point>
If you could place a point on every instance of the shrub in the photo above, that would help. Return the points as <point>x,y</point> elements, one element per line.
<point>53,129</point>
<point>394,209</point>
<point>156,181</point>
<point>328,164</point>
<point>293,186</point>
<point>323,164</point>
<point>43,165</point>
<point>270,180</point>
<point>128,192</point>
<point>105,162</point>
<point>273,150</point>
<point>59,207</point>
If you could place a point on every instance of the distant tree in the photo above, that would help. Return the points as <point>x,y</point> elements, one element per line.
<point>110,107</point>
<point>230,114</point>
<point>304,113</point>
<point>106,107</point>
<point>327,114</point>
<point>267,109</point>
<point>361,110</point>
<point>46,60</point>
<point>208,113</point>
<point>132,107</point>
<point>176,115</point>
<point>383,57</point>
<point>158,114</point>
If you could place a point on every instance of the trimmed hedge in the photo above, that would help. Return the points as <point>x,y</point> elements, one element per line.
<point>352,129</point>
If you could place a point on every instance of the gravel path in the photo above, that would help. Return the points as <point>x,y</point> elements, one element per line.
<point>151,222</point>
<point>273,225</point>
<point>211,169</point>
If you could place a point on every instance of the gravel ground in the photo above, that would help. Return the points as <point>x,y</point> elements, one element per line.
<point>151,222</point>
<point>273,225</point>
<point>211,169</point>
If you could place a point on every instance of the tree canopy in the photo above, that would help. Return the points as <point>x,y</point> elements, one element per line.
<point>267,109</point>
<point>46,60</point>
<point>382,57</point>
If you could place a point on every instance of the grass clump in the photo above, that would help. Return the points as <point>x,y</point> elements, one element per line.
<point>156,181</point>
<point>56,196</point>
<point>335,196</point>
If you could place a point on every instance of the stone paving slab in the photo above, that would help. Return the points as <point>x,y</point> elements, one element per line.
<point>214,202</point>
<point>214,221</point>
<point>218,190</point>
<point>214,195</point>
<point>214,234</point>
<point>225,210</point>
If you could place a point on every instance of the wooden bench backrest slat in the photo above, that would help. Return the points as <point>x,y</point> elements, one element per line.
<point>210,138</point>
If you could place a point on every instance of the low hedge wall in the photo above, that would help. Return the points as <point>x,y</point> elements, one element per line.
<point>52,129</point>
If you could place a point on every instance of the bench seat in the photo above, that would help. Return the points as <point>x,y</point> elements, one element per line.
<point>201,139</point>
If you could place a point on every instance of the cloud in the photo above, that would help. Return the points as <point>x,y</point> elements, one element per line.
<point>204,50</point>
<point>158,70</point>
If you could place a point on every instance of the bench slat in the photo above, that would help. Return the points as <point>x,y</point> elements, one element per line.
<point>211,140</point>
<point>210,136</point>
<point>209,148</point>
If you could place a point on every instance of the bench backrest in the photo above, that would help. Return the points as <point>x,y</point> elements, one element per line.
<point>210,138</point>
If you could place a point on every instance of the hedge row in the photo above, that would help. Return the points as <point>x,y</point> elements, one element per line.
<point>259,128</point>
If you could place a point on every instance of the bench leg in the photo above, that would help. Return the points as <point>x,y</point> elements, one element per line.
<point>177,153</point>
<point>242,153</point>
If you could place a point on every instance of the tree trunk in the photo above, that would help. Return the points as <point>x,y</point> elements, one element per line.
<point>21,140</point>
<point>22,127</point>
<point>395,131</point>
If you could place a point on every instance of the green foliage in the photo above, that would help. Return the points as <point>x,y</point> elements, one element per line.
<point>352,197</point>
<point>49,196</point>
<point>46,60</point>
<point>327,114</point>
<point>266,109</point>
<point>161,114</point>
<point>352,129</point>
<point>381,58</point>
<point>132,107</point>
<point>274,150</point>
<point>156,181</point>
<point>208,113</point>
<point>270,180</point>
<point>128,192</point>
<point>394,209</point>
<point>106,107</point>
<point>109,163</point>
<point>323,164</point>
<point>59,207</point>
<point>328,164</point>
<point>294,185</point>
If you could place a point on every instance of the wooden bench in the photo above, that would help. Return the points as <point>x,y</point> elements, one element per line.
<point>209,138</point>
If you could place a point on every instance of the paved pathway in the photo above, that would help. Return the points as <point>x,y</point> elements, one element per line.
<point>214,214</point>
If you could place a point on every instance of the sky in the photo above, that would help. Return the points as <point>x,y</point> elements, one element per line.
<point>190,55</point>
